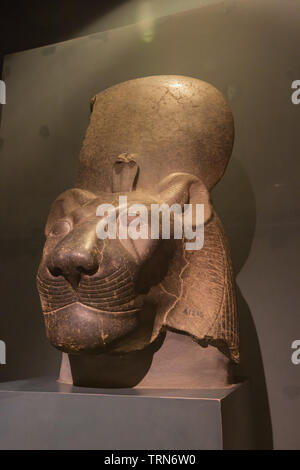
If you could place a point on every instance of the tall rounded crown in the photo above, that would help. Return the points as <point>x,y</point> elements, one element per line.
<point>168,123</point>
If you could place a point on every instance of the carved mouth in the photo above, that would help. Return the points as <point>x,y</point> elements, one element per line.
<point>93,317</point>
<point>95,310</point>
<point>112,294</point>
<point>77,328</point>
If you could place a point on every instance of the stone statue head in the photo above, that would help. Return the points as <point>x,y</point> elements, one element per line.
<point>154,140</point>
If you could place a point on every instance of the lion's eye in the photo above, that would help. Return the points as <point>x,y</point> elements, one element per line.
<point>62,227</point>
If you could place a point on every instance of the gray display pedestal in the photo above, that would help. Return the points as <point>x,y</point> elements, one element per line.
<point>42,414</point>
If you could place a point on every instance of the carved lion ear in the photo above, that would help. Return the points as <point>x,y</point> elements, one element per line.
<point>67,202</point>
<point>199,194</point>
<point>184,188</point>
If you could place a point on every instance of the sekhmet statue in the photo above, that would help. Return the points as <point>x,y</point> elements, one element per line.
<point>143,312</point>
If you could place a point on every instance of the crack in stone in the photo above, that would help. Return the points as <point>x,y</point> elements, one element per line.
<point>179,296</point>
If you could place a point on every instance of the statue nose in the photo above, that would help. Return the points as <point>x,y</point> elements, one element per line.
<point>73,263</point>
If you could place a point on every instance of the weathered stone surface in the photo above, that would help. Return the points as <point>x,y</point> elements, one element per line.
<point>161,139</point>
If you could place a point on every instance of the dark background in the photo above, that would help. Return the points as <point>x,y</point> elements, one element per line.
<point>33,23</point>
<point>249,49</point>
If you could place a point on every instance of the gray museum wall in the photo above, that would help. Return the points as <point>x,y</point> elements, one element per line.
<point>249,49</point>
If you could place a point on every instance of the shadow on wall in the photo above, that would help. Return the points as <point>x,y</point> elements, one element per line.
<point>234,200</point>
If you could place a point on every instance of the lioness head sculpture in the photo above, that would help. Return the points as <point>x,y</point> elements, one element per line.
<point>154,140</point>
